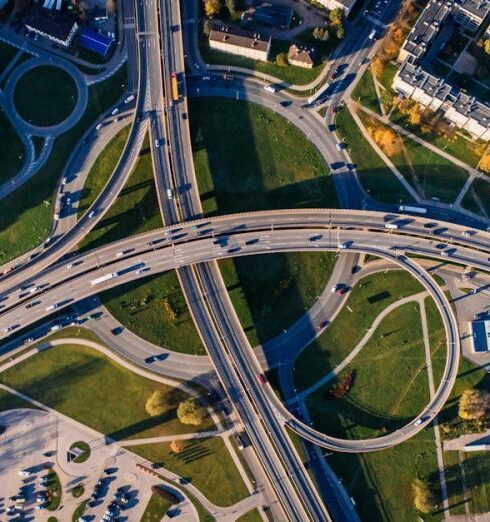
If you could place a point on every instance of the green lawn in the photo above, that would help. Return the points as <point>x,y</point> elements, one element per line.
<point>102,169</point>
<point>270,292</point>
<point>365,92</point>
<point>155,309</point>
<point>250,516</point>
<point>135,209</point>
<point>479,190</point>
<point>390,384</point>
<point>468,481</point>
<point>206,463</point>
<point>156,508</point>
<point>380,482</point>
<point>366,300</point>
<point>465,150</point>
<point>375,176</point>
<point>11,149</point>
<point>248,158</point>
<point>26,214</point>
<point>89,387</point>
<point>435,175</point>
<point>45,95</point>
<point>387,76</point>
<point>12,402</point>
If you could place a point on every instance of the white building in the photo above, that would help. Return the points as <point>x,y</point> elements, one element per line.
<point>346,5</point>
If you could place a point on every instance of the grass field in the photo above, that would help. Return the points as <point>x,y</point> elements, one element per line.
<point>436,176</point>
<point>390,384</point>
<point>102,169</point>
<point>27,213</point>
<point>465,150</point>
<point>270,292</point>
<point>156,508</point>
<point>480,188</point>
<point>135,209</point>
<point>250,516</point>
<point>365,93</point>
<point>366,300</point>
<point>55,87</point>
<point>265,162</point>
<point>380,482</point>
<point>155,309</point>
<point>11,402</point>
<point>11,149</point>
<point>376,178</point>
<point>89,387</point>
<point>206,463</point>
<point>387,76</point>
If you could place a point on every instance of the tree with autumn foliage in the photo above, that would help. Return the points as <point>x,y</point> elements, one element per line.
<point>424,497</point>
<point>212,8</point>
<point>473,404</point>
<point>177,446</point>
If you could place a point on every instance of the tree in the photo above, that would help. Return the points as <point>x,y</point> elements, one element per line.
<point>486,46</point>
<point>212,7</point>
<point>189,412</point>
<point>473,404</point>
<point>206,27</point>
<point>177,446</point>
<point>282,59</point>
<point>485,163</point>
<point>156,404</point>
<point>231,6</point>
<point>377,67</point>
<point>340,32</point>
<point>320,33</point>
<point>336,15</point>
<point>423,497</point>
<point>110,6</point>
<point>387,140</point>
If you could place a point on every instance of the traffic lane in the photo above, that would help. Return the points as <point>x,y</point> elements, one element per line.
<point>154,261</point>
<point>254,221</point>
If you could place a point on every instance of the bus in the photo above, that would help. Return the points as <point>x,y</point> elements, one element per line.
<point>175,87</point>
<point>416,210</point>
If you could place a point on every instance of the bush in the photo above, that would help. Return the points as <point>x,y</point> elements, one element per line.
<point>189,412</point>
<point>340,390</point>
<point>282,59</point>
<point>424,497</point>
<point>156,404</point>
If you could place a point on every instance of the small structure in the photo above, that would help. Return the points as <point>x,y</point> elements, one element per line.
<point>346,5</point>
<point>272,15</point>
<point>240,42</point>
<point>96,42</point>
<point>302,55</point>
<point>480,330</point>
<point>54,25</point>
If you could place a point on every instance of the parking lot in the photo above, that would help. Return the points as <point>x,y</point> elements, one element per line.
<point>115,483</point>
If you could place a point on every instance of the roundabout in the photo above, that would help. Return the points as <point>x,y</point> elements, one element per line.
<point>45,98</point>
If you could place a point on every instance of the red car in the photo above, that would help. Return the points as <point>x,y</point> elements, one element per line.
<point>342,291</point>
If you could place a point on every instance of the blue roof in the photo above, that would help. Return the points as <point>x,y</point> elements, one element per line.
<point>98,43</point>
<point>481,336</point>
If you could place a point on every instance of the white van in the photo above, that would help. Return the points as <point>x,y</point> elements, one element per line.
<point>269,88</point>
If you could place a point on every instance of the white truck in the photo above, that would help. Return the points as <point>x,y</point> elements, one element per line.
<point>103,278</point>
<point>391,226</point>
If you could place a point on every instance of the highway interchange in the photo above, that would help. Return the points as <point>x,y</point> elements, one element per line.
<point>192,248</point>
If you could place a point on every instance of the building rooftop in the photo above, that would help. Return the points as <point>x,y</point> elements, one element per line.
<point>54,23</point>
<point>478,8</point>
<point>239,37</point>
<point>96,42</point>
<point>481,335</point>
<point>302,53</point>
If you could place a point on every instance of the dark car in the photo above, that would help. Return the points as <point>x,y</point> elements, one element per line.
<point>117,330</point>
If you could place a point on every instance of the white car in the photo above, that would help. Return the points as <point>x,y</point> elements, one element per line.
<point>98,126</point>
<point>115,111</point>
<point>119,254</point>
<point>91,214</point>
<point>343,245</point>
<point>417,422</point>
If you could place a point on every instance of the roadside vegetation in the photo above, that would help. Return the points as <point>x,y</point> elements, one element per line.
<point>249,158</point>
<point>477,199</point>
<point>92,389</point>
<point>270,292</point>
<point>366,300</point>
<point>376,178</point>
<point>135,209</point>
<point>155,509</point>
<point>45,95</point>
<point>11,149</point>
<point>383,387</point>
<point>27,213</point>
<point>102,169</point>
<point>431,175</point>
<point>365,93</point>
<point>155,310</point>
<point>206,463</point>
